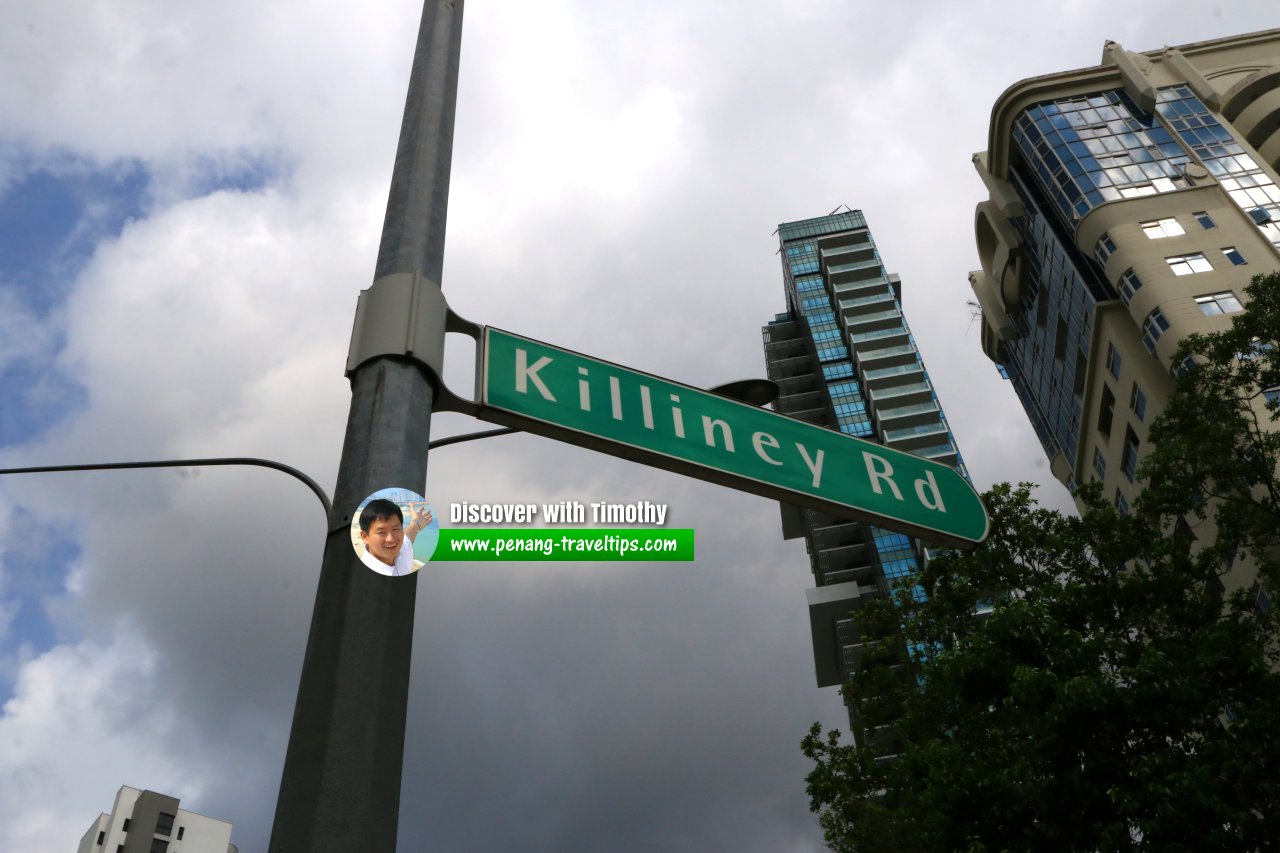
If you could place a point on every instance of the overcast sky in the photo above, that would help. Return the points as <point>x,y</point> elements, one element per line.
<point>190,200</point>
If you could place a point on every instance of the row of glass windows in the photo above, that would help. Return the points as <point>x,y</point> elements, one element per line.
<point>1160,228</point>
<point>1129,285</point>
<point>1196,261</point>
<point>860,427</point>
<point>1171,227</point>
<point>1106,406</point>
<point>839,390</point>
<point>1089,150</point>
<point>896,552</point>
<point>1219,303</point>
<point>1154,229</point>
<point>1062,291</point>
<point>1122,504</point>
<point>827,336</point>
<point>1129,457</point>
<point>1104,248</point>
<point>1189,264</point>
<point>1244,180</point>
<point>824,335</point>
<point>809,284</point>
<point>1128,460</point>
<point>857,408</point>
<point>1153,327</point>
<point>897,556</point>
<point>833,353</point>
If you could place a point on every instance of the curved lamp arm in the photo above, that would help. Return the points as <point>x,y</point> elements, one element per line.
<point>186,463</point>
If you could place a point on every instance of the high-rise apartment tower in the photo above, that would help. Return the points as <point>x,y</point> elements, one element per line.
<point>844,358</point>
<point>1130,204</point>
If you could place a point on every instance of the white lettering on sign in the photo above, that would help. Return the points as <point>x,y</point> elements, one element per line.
<point>584,391</point>
<point>709,433</point>
<point>760,441</point>
<point>526,374</point>
<point>933,500</point>
<point>718,432</point>
<point>878,468</point>
<point>646,407</point>
<point>815,465</point>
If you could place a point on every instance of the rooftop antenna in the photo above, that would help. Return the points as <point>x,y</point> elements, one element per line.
<point>975,313</point>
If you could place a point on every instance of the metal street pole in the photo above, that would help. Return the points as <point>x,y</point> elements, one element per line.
<point>340,789</point>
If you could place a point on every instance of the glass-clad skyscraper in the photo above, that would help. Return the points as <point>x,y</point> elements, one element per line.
<point>844,357</point>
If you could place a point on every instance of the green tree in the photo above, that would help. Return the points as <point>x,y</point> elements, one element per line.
<point>1218,439</point>
<point>1082,683</point>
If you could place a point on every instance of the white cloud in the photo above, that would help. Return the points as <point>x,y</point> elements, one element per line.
<point>79,714</point>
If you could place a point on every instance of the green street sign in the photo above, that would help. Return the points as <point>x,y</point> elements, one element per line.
<point>596,404</point>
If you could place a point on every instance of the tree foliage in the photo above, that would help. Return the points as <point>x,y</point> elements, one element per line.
<point>1217,441</point>
<point>1082,683</point>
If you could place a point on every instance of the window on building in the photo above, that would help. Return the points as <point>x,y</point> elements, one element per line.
<point>1257,349</point>
<point>1139,190</point>
<point>1205,220</point>
<point>1233,254</point>
<point>1152,328</point>
<point>1104,248</point>
<point>164,824</point>
<point>1129,285</point>
<point>1122,505</point>
<point>1106,410</point>
<point>126,824</point>
<point>1060,340</point>
<point>1113,361</point>
<point>1189,264</point>
<point>181,830</point>
<point>1099,464</point>
<point>1264,601</point>
<point>1219,303</point>
<point>159,845</point>
<point>102,836</point>
<point>1042,309</point>
<point>1082,371</point>
<point>1129,459</point>
<point>1157,228</point>
<point>1138,403</point>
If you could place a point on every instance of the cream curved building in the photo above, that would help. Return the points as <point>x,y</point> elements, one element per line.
<point>1130,203</point>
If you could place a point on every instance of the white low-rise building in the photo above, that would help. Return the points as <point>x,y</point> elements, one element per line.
<point>147,822</point>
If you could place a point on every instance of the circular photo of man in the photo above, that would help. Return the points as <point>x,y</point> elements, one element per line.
<point>394,532</point>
